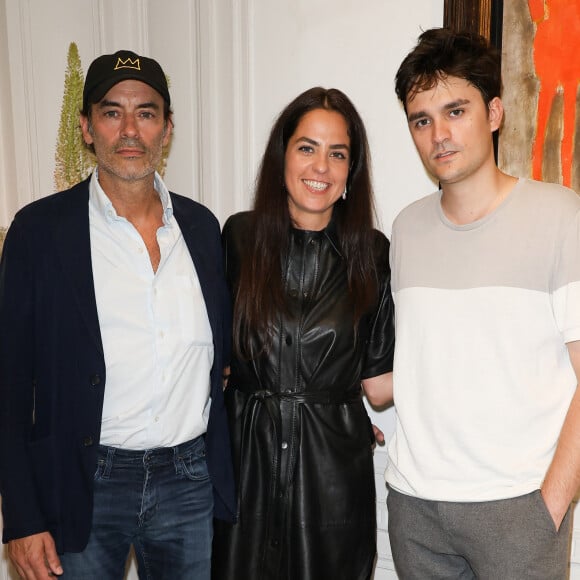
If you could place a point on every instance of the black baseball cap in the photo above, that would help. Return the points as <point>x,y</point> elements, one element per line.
<point>109,69</point>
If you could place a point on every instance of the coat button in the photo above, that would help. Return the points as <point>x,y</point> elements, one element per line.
<point>284,445</point>
<point>293,293</point>
<point>95,380</point>
<point>87,441</point>
<point>288,339</point>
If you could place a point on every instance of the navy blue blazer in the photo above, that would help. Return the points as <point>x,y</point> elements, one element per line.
<point>52,367</point>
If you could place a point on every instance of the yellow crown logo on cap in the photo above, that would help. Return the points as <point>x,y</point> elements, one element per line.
<point>128,63</point>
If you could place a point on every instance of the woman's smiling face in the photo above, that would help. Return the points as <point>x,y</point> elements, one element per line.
<point>316,167</point>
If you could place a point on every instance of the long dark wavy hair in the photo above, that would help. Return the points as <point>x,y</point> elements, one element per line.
<point>260,293</point>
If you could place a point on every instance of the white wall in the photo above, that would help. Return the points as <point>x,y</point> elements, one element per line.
<point>233,65</point>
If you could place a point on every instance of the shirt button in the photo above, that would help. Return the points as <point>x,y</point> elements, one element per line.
<point>284,445</point>
<point>95,380</point>
<point>293,293</point>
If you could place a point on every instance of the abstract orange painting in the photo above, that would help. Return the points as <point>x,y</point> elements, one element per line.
<point>540,46</point>
<point>541,72</point>
<point>557,67</point>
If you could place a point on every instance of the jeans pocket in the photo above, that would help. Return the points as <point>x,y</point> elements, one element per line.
<point>194,466</point>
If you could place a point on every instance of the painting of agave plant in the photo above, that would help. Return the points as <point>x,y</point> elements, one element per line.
<point>73,161</point>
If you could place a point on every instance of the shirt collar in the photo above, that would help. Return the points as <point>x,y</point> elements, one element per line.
<point>104,206</point>
<point>330,232</point>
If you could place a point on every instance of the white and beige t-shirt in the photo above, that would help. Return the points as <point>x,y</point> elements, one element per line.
<point>483,314</point>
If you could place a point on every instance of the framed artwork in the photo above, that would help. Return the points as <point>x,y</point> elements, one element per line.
<point>481,16</point>
<point>540,45</point>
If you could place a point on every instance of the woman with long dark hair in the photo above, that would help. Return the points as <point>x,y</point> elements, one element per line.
<point>313,321</point>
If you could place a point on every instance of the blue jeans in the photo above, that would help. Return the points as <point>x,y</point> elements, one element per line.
<point>161,502</point>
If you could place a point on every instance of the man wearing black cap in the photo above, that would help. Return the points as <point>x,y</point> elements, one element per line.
<point>114,330</point>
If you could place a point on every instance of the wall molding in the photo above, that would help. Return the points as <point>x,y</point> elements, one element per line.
<point>123,25</point>
<point>21,66</point>
<point>8,182</point>
<point>225,114</point>
<point>243,110</point>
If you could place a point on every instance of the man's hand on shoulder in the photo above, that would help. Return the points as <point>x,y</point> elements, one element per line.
<point>35,557</point>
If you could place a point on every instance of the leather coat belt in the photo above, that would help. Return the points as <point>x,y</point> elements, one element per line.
<point>334,396</point>
<point>270,402</point>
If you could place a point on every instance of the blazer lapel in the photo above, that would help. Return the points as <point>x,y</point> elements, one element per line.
<point>72,238</point>
<point>193,236</point>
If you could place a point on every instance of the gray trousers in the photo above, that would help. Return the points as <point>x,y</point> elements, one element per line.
<point>510,539</point>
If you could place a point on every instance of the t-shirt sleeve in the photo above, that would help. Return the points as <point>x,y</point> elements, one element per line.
<point>566,283</point>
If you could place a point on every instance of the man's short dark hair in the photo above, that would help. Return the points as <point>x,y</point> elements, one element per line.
<point>441,53</point>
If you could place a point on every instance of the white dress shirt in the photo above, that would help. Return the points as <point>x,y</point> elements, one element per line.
<point>155,330</point>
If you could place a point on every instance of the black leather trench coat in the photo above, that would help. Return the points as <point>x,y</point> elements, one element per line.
<point>302,440</point>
